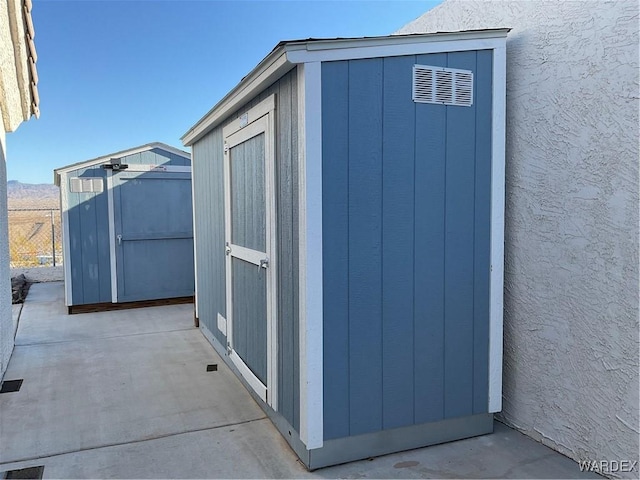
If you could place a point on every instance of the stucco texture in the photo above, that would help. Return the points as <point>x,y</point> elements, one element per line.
<point>15,94</point>
<point>6,320</point>
<point>571,249</point>
<point>15,107</point>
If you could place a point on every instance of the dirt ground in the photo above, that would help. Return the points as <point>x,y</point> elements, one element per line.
<point>40,274</point>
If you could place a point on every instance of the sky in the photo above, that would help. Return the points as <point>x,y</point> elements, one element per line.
<point>114,75</point>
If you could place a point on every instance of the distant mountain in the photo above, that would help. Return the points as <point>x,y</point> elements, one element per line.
<point>29,195</point>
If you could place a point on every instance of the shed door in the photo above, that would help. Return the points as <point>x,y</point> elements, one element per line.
<point>250,263</point>
<point>153,233</point>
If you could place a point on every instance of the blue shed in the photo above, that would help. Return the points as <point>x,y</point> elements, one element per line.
<point>127,227</point>
<point>349,219</point>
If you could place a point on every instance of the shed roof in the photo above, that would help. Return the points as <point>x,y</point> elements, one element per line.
<point>286,54</point>
<point>120,154</point>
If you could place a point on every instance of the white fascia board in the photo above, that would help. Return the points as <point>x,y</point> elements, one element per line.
<point>269,70</point>
<point>412,38</point>
<point>303,53</point>
<point>123,153</point>
<point>496,282</point>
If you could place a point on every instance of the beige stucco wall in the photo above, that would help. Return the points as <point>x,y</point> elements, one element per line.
<point>15,96</point>
<point>571,248</point>
<point>6,322</point>
<point>15,107</point>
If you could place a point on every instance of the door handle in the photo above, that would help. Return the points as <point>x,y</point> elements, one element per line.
<point>119,238</point>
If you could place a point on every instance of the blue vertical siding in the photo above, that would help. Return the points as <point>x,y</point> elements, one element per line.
<point>406,199</point>
<point>335,222</point>
<point>89,247</point>
<point>88,219</point>
<point>398,153</point>
<point>88,241</point>
<point>459,251</point>
<point>365,245</point>
<point>104,255</point>
<point>287,221</point>
<point>210,236</point>
<point>152,212</point>
<point>428,341</point>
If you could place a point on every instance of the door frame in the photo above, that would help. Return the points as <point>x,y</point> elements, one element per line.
<point>258,120</point>
<point>111,184</point>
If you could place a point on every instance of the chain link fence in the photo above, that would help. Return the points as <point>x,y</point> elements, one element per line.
<point>35,237</point>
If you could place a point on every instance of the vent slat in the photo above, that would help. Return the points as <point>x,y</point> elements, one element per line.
<point>86,185</point>
<point>443,86</point>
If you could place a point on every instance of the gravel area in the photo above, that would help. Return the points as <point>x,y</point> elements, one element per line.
<point>40,274</point>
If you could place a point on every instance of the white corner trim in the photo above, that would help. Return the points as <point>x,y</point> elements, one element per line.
<point>295,54</point>
<point>66,241</point>
<point>496,285</point>
<point>112,238</point>
<point>193,230</point>
<point>310,259</point>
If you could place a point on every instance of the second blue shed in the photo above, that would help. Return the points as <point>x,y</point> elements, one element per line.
<point>349,206</point>
<point>127,227</point>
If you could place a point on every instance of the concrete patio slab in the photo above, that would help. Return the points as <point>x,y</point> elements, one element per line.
<point>126,394</point>
<point>16,309</point>
<point>47,320</point>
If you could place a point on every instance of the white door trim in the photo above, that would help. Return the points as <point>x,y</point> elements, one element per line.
<point>247,374</point>
<point>257,120</point>
<point>248,255</point>
<point>259,126</point>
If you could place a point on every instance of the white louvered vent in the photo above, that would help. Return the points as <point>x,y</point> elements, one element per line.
<point>443,86</point>
<point>86,185</point>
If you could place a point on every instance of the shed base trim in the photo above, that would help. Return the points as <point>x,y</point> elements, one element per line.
<point>348,449</point>
<point>284,427</point>
<point>108,306</point>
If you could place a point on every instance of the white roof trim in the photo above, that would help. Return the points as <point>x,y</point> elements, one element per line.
<point>272,67</point>
<point>395,40</point>
<point>105,158</point>
<point>287,54</point>
<point>391,50</point>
